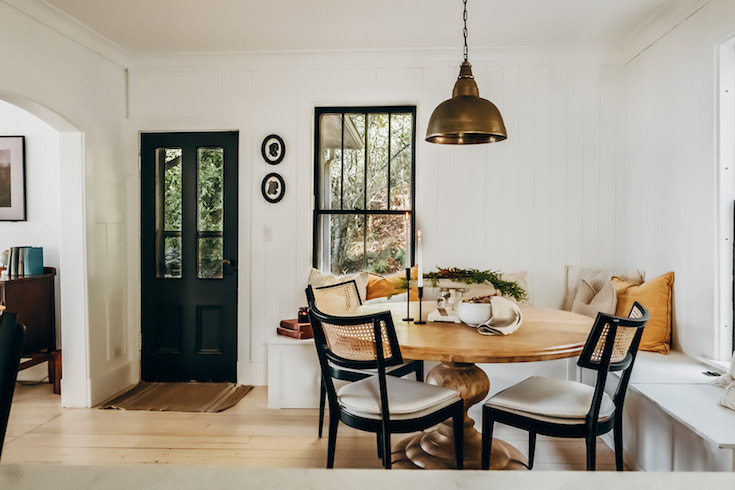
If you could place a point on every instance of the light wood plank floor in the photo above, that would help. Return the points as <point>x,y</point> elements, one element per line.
<point>247,435</point>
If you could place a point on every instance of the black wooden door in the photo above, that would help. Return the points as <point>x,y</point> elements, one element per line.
<point>189,256</point>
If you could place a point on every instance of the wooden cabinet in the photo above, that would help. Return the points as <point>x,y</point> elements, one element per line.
<point>32,299</point>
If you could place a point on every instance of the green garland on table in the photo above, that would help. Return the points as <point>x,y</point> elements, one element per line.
<point>474,276</point>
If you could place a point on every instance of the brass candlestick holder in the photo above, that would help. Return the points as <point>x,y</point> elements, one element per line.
<point>420,321</point>
<point>408,299</point>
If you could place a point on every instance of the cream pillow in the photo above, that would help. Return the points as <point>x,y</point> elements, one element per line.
<point>597,278</point>
<point>590,303</point>
<point>319,279</point>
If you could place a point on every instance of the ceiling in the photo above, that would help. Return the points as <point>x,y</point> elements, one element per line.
<point>144,27</point>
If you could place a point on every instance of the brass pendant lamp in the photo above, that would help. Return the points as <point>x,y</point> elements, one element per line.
<point>466,118</point>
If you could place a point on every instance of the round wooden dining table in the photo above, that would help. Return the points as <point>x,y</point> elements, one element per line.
<point>544,334</point>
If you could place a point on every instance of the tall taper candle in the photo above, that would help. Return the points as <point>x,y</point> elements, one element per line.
<point>408,241</point>
<point>419,259</point>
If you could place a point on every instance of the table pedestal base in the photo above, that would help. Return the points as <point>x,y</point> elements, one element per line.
<point>434,448</point>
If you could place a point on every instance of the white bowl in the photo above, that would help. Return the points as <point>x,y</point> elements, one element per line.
<point>474,313</point>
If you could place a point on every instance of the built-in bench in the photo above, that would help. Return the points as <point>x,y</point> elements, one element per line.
<point>293,373</point>
<point>673,417</point>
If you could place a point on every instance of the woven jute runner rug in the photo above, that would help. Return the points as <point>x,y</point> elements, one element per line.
<point>180,397</point>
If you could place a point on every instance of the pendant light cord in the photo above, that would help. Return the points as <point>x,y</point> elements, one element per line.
<point>464,31</point>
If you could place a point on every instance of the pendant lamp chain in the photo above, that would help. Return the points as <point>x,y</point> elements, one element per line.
<point>464,31</point>
<point>466,118</point>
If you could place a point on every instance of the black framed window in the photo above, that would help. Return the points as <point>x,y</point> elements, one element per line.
<point>364,188</point>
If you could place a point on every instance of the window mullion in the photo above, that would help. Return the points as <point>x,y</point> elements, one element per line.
<point>366,165</point>
<point>342,165</point>
<point>390,157</point>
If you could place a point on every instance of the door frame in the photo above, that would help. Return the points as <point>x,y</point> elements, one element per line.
<point>233,175</point>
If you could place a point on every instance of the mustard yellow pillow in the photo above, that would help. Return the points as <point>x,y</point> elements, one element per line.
<point>656,296</point>
<point>383,286</point>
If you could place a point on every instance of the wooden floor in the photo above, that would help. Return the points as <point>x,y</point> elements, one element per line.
<point>247,435</point>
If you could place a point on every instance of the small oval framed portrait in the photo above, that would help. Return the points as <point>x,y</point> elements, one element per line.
<point>273,149</point>
<point>273,187</point>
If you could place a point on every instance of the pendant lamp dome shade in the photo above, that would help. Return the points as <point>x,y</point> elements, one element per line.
<point>466,118</point>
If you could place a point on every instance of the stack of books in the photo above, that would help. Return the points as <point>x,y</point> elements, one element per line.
<point>25,261</point>
<point>292,328</point>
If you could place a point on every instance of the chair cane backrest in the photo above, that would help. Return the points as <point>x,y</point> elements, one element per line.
<point>337,298</point>
<point>11,344</point>
<point>626,334</point>
<point>612,346</point>
<point>350,341</point>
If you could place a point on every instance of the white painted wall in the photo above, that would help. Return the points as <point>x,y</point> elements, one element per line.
<point>544,198</point>
<point>82,95</point>
<point>672,170</point>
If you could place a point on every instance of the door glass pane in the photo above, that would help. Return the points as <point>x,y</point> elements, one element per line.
<point>386,243</point>
<point>210,258</point>
<point>168,212</point>
<point>377,167</point>
<point>172,255</point>
<point>210,198</point>
<point>401,128</point>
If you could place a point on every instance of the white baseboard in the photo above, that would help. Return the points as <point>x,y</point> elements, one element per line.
<point>114,381</point>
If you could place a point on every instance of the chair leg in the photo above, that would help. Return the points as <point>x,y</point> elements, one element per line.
<point>487,439</point>
<point>380,444</point>
<point>420,372</point>
<point>333,423</point>
<point>385,439</point>
<point>618,437</point>
<point>322,401</point>
<point>458,428</point>
<point>531,448</point>
<point>591,441</point>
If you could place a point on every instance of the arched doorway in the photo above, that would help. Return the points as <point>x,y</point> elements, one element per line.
<point>71,255</point>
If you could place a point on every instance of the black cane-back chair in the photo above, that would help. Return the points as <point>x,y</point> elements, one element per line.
<point>11,343</point>
<point>562,408</point>
<point>378,403</point>
<point>340,298</point>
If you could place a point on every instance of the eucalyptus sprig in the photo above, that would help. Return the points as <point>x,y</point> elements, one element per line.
<point>474,276</point>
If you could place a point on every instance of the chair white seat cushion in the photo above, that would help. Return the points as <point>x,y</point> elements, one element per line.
<point>552,400</point>
<point>406,398</point>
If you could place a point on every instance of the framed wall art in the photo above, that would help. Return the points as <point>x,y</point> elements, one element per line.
<point>12,178</point>
<point>273,149</point>
<point>273,187</point>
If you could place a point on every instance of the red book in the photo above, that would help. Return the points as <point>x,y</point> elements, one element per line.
<point>303,334</point>
<point>295,325</point>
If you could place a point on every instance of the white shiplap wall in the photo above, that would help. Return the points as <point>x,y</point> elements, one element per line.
<point>544,198</point>
<point>672,166</point>
<point>82,96</point>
